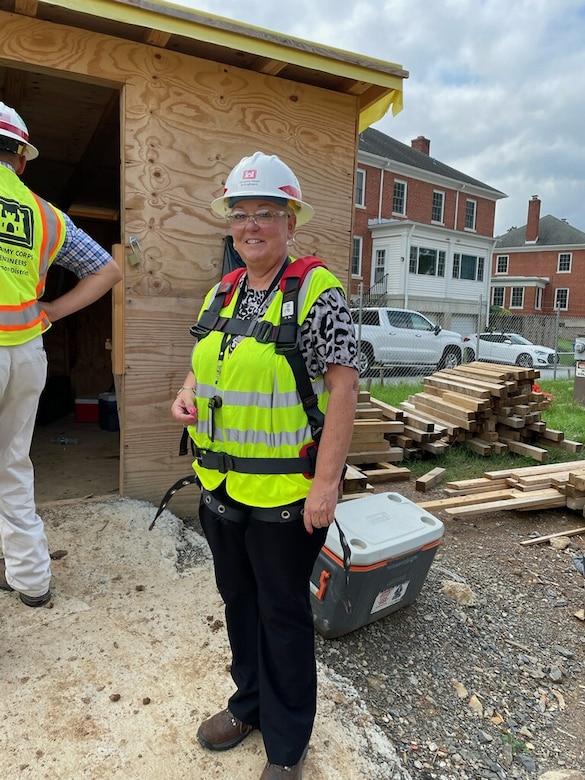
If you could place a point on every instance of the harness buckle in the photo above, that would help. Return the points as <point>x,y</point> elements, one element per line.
<point>263,331</point>
<point>218,461</point>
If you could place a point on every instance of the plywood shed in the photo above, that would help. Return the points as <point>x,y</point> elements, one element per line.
<point>140,109</point>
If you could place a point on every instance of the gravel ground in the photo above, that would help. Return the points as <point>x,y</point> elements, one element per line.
<point>483,676</point>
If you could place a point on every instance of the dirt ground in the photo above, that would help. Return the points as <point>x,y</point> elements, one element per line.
<point>113,680</point>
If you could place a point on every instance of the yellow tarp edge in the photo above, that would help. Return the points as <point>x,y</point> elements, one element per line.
<point>323,61</point>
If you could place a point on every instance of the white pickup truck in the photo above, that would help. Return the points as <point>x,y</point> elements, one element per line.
<point>400,337</point>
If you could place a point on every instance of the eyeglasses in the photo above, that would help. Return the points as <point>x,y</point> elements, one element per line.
<point>261,218</point>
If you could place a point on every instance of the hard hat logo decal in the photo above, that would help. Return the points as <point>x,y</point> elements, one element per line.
<point>249,174</point>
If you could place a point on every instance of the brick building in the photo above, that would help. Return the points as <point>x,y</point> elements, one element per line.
<point>540,268</point>
<point>423,232</point>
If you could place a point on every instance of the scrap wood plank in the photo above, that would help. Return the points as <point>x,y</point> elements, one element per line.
<point>475,404</point>
<point>457,386</point>
<point>577,478</point>
<point>379,426</point>
<point>445,419</point>
<point>540,539</point>
<point>545,499</point>
<point>486,487</point>
<point>354,480</point>
<point>496,389</point>
<point>553,478</point>
<point>434,447</point>
<point>387,472</point>
<point>528,470</point>
<point>420,436</point>
<point>468,500</point>
<point>488,371</point>
<point>391,412</point>
<point>571,446</point>
<point>426,422</point>
<point>441,406</point>
<point>430,479</point>
<point>480,446</point>
<point>367,413</point>
<point>460,400</point>
<point>367,456</point>
<point>521,448</point>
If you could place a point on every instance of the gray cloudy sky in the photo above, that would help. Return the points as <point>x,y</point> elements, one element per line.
<point>498,86</point>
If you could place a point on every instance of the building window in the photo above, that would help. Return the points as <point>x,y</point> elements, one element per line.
<point>502,264</point>
<point>380,265</point>
<point>470,209</point>
<point>399,198</point>
<point>468,267</point>
<point>564,263</point>
<point>538,298</point>
<point>438,206</point>
<point>356,256</point>
<point>360,188</point>
<point>517,298</point>
<point>427,262</point>
<point>498,296</point>
<point>561,299</point>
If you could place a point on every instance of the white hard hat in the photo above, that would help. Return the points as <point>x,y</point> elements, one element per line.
<point>263,176</point>
<point>12,126</point>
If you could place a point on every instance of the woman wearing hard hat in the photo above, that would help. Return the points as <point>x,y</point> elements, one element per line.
<point>271,435</point>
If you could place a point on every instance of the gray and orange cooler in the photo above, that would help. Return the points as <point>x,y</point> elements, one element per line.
<point>392,542</point>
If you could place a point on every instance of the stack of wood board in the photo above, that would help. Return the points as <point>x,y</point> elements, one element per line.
<point>527,488</point>
<point>491,407</point>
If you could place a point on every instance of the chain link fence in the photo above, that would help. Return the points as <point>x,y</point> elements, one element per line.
<point>404,343</point>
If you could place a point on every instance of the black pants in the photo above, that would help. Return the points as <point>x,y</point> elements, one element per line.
<point>262,571</point>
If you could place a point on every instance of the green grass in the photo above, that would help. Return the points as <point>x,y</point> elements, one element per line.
<point>461,463</point>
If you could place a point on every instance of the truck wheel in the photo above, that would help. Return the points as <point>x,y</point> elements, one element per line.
<point>366,358</point>
<point>451,358</point>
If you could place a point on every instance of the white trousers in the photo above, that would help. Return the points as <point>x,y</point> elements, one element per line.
<point>23,372</point>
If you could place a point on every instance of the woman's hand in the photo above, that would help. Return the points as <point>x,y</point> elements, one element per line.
<point>183,407</point>
<point>319,509</point>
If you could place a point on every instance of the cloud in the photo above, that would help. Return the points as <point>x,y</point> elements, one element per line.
<point>495,85</point>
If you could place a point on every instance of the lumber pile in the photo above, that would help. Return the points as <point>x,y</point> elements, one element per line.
<point>528,488</point>
<point>487,407</point>
<point>491,408</point>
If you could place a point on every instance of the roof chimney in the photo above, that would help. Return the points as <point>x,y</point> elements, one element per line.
<point>533,219</point>
<point>421,144</point>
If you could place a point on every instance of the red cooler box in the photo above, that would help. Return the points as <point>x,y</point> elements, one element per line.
<point>393,542</point>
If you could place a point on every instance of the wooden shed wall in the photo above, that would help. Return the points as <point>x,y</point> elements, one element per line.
<point>184,123</point>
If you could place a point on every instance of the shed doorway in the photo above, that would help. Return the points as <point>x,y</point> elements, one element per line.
<point>76,127</point>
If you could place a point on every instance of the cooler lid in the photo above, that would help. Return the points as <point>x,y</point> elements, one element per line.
<point>382,526</point>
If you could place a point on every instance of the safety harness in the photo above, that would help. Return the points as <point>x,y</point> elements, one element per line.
<point>286,341</point>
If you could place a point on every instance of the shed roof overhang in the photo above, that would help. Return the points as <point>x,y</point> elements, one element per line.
<point>377,85</point>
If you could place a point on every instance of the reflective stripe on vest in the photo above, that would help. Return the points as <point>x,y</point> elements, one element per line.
<point>31,234</point>
<point>260,415</point>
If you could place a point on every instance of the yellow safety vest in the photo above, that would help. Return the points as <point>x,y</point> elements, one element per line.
<point>31,234</point>
<point>259,414</point>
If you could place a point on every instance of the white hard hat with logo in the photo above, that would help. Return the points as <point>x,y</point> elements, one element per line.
<point>263,176</point>
<point>13,127</point>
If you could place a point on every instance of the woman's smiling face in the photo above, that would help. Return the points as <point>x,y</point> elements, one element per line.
<point>262,245</point>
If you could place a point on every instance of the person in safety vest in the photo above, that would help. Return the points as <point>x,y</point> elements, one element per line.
<point>268,491</point>
<point>33,235</point>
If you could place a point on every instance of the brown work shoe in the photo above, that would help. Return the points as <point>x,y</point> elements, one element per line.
<point>35,601</point>
<point>277,772</point>
<point>3,581</point>
<point>222,731</point>
<point>30,601</point>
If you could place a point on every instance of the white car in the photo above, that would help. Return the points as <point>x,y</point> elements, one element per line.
<point>508,348</point>
<point>401,337</point>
